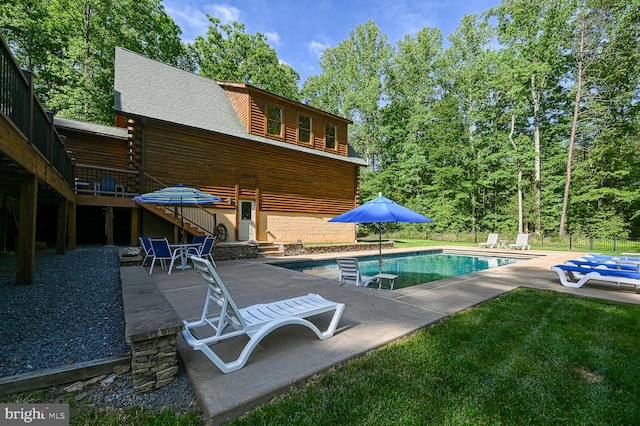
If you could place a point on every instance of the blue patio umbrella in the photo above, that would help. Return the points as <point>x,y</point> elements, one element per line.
<point>381,210</point>
<point>177,195</point>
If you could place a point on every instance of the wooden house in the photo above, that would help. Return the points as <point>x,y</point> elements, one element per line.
<point>281,167</point>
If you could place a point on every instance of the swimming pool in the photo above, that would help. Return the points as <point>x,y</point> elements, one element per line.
<point>412,268</point>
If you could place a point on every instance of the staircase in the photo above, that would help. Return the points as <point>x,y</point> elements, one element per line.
<point>267,249</point>
<point>166,214</point>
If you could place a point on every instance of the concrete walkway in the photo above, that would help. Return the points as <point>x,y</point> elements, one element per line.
<point>371,319</point>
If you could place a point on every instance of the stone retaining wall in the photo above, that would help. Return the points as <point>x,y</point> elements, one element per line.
<point>294,249</point>
<point>151,328</point>
<point>230,251</point>
<point>154,363</point>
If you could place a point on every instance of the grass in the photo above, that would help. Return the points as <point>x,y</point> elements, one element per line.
<point>527,357</point>
<point>84,413</point>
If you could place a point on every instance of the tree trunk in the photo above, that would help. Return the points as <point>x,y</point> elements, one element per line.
<point>536,93</point>
<point>572,138</point>
<point>520,209</point>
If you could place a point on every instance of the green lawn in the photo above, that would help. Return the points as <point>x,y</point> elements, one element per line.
<point>528,357</point>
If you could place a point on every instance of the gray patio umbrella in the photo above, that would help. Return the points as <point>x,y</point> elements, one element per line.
<point>380,210</point>
<point>177,195</point>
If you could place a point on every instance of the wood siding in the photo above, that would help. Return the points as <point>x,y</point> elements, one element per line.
<point>240,101</point>
<point>96,150</point>
<point>277,178</point>
<point>252,110</point>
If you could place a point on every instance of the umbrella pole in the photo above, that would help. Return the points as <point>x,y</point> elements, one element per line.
<point>182,221</point>
<point>380,248</point>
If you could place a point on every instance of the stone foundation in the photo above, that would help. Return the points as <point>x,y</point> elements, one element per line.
<point>294,249</point>
<point>154,363</point>
<point>151,328</point>
<point>230,251</point>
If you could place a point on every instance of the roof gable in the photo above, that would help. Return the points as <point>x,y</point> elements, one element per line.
<point>148,88</point>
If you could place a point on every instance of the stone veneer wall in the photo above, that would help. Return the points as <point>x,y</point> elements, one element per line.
<point>230,251</point>
<point>151,328</point>
<point>294,249</point>
<point>154,362</point>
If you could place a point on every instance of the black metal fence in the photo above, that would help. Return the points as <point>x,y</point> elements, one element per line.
<point>573,242</point>
<point>21,106</point>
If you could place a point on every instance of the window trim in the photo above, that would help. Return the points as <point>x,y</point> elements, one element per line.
<point>335,136</point>
<point>310,129</point>
<point>268,119</point>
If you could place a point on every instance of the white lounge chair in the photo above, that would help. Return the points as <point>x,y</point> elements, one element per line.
<point>577,276</point>
<point>350,272</point>
<point>492,241</point>
<point>521,242</point>
<point>256,321</point>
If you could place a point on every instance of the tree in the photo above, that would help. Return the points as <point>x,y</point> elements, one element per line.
<point>352,85</point>
<point>230,54</point>
<point>536,33</point>
<point>69,45</point>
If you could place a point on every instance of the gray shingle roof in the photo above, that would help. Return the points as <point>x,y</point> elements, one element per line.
<point>148,88</point>
<point>83,126</point>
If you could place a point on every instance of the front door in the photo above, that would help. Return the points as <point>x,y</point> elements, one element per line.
<point>247,225</point>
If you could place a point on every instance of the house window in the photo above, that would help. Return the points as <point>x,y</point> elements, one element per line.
<point>304,129</point>
<point>274,120</point>
<point>330,136</point>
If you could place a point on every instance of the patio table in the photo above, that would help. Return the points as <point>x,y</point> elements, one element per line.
<point>184,248</point>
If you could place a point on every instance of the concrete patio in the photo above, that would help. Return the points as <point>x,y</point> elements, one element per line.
<point>371,319</point>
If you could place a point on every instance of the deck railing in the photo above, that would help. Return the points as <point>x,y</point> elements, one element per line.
<point>105,181</point>
<point>22,107</point>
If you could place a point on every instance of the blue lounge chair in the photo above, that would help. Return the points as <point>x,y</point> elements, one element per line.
<point>576,276</point>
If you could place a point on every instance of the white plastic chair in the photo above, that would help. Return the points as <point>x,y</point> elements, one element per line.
<point>256,321</point>
<point>492,241</point>
<point>350,272</point>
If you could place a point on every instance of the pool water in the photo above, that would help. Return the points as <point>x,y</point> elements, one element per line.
<point>412,268</point>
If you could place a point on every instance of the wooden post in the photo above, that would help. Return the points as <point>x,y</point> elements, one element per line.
<point>134,227</point>
<point>4,223</point>
<point>25,250</point>
<point>237,210</point>
<point>71,225</point>
<point>61,237</point>
<point>108,225</point>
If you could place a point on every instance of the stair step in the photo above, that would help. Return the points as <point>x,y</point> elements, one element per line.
<point>267,249</point>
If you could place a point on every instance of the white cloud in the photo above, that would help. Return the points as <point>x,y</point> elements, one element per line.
<point>273,38</point>
<point>317,47</point>
<point>192,21</point>
<point>227,14</point>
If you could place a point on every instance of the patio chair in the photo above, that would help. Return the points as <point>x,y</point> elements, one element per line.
<point>492,241</point>
<point>255,321</point>
<point>205,250</point>
<point>199,239</point>
<point>162,252</point>
<point>350,272</point>
<point>577,276</point>
<point>148,250</point>
<point>521,242</point>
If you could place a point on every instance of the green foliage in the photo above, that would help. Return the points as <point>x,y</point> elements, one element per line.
<point>352,85</point>
<point>229,54</point>
<point>70,46</point>
<point>434,123</point>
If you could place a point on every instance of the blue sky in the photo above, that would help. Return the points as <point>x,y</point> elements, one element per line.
<point>300,30</point>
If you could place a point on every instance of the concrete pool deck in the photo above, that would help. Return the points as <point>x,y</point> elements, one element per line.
<point>371,318</point>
